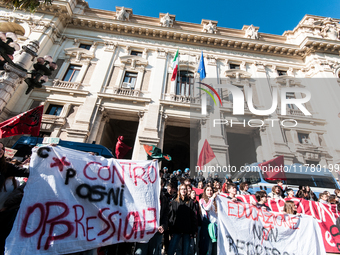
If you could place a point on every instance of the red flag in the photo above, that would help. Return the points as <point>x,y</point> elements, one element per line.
<point>121,148</point>
<point>25,123</point>
<point>198,193</point>
<point>206,155</point>
<point>273,169</point>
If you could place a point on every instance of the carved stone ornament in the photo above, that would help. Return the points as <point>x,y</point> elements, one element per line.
<point>110,46</point>
<point>134,61</point>
<point>161,53</point>
<point>79,54</point>
<point>122,14</point>
<point>330,31</point>
<point>166,21</point>
<point>309,21</point>
<point>209,28</point>
<point>252,33</point>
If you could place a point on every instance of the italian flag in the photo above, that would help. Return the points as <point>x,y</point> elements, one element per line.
<point>174,67</point>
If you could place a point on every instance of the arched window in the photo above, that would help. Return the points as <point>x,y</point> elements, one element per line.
<point>185,83</point>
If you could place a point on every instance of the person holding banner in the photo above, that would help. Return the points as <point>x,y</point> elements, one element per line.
<point>7,169</point>
<point>153,247</point>
<point>276,192</point>
<point>290,193</point>
<point>290,208</point>
<point>310,194</point>
<point>209,218</point>
<point>323,198</point>
<point>182,221</point>
<point>261,197</point>
<point>244,186</point>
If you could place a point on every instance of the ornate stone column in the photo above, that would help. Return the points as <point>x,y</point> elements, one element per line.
<point>13,76</point>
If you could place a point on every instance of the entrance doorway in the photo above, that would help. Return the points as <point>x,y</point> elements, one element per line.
<point>115,128</point>
<point>177,145</point>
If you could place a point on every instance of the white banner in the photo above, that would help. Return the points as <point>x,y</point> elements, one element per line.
<point>244,229</point>
<point>74,201</point>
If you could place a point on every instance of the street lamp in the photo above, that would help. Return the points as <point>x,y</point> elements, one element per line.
<point>8,46</point>
<point>42,69</point>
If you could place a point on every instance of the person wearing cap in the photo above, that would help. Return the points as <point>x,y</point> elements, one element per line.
<point>179,175</point>
<point>200,177</point>
<point>166,175</point>
<point>210,179</point>
<point>216,178</point>
<point>186,172</point>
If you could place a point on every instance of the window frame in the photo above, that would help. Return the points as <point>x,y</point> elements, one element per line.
<point>234,67</point>
<point>301,136</point>
<point>75,68</point>
<point>281,72</point>
<point>185,88</point>
<point>57,106</point>
<point>85,46</point>
<point>291,95</point>
<point>126,75</point>
<point>136,53</point>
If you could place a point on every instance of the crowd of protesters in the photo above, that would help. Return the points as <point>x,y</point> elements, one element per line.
<point>188,213</point>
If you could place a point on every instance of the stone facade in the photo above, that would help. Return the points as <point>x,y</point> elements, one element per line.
<point>120,83</point>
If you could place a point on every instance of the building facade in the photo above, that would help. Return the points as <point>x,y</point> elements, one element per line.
<point>114,78</point>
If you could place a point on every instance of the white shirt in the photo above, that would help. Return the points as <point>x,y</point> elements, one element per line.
<point>208,210</point>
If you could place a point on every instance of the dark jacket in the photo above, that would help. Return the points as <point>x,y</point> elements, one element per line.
<point>182,217</point>
<point>13,170</point>
<point>14,199</point>
<point>198,213</point>
<point>164,215</point>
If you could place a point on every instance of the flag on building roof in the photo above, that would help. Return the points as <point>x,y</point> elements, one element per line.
<point>121,148</point>
<point>201,68</point>
<point>273,169</point>
<point>175,62</point>
<point>155,153</point>
<point>27,123</point>
<point>206,155</point>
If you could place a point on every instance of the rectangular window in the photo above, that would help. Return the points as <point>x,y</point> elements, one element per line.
<point>185,83</point>
<point>281,72</point>
<point>304,138</point>
<point>85,46</point>
<point>129,80</point>
<point>54,109</point>
<point>230,95</point>
<point>291,95</point>
<point>72,73</point>
<point>136,53</point>
<point>233,66</point>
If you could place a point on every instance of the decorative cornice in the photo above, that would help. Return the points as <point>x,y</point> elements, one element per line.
<point>190,33</point>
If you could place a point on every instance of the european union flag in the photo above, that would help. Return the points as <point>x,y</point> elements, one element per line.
<point>201,68</point>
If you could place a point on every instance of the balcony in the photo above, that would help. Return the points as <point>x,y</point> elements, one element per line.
<point>49,120</point>
<point>185,99</point>
<point>71,88</point>
<point>126,92</point>
<point>65,84</point>
<point>295,112</point>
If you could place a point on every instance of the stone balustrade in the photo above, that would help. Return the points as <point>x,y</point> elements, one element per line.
<point>65,84</point>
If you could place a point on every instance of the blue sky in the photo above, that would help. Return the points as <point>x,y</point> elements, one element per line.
<point>272,17</point>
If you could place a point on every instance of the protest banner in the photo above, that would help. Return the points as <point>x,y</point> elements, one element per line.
<point>75,201</point>
<point>245,229</point>
<point>325,215</point>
